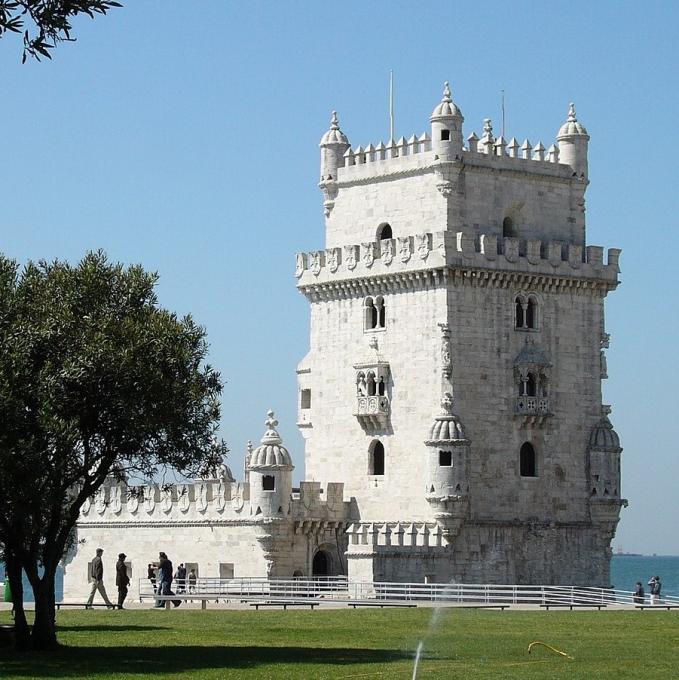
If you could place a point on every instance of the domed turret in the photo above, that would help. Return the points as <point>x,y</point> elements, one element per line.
<point>270,473</point>
<point>573,142</point>
<point>333,145</point>
<point>446,128</point>
<point>447,468</point>
<point>604,459</point>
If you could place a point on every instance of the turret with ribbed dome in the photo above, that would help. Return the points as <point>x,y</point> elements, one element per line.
<point>604,458</point>
<point>573,142</point>
<point>448,469</point>
<point>270,473</point>
<point>333,145</point>
<point>446,127</point>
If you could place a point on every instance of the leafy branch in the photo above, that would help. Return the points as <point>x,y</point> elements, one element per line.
<point>50,21</point>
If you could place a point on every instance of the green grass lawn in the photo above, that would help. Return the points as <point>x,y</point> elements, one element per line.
<point>340,644</point>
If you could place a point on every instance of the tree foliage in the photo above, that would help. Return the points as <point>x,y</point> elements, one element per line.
<point>50,19</point>
<point>96,381</point>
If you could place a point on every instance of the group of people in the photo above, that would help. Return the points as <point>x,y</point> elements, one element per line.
<point>180,577</point>
<point>654,590</point>
<point>97,580</point>
<point>160,574</point>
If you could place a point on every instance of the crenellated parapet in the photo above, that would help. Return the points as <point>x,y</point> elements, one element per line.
<point>488,253</point>
<point>206,502</point>
<point>313,503</point>
<point>369,536</point>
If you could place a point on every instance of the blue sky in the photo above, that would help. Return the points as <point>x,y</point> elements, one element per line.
<point>184,136</point>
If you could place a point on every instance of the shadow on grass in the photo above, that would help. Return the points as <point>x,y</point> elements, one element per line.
<point>78,662</point>
<point>122,628</point>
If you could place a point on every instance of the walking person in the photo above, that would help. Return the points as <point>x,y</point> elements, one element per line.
<point>97,577</point>
<point>165,580</point>
<point>192,581</point>
<point>122,579</point>
<point>151,575</point>
<point>639,596</point>
<point>180,578</point>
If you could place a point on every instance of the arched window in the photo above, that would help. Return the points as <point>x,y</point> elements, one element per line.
<point>527,462</point>
<point>377,458</point>
<point>525,312</point>
<point>532,313</point>
<point>531,386</point>
<point>374,313</point>
<point>519,315</point>
<point>381,387</point>
<point>508,227</point>
<point>371,384</point>
<point>381,318</point>
<point>268,483</point>
<point>361,385</point>
<point>384,231</point>
<point>371,315</point>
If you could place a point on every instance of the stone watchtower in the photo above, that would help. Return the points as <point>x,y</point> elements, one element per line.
<point>456,355</point>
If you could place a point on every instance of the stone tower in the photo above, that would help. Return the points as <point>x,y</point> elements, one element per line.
<point>456,354</point>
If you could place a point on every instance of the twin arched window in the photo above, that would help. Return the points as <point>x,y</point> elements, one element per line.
<point>527,461</point>
<point>367,385</point>
<point>533,384</point>
<point>376,458</point>
<point>526,312</point>
<point>374,313</point>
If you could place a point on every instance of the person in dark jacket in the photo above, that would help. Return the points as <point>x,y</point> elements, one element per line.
<point>655,586</point>
<point>151,575</point>
<point>97,578</point>
<point>180,578</point>
<point>122,579</point>
<point>165,580</point>
<point>639,595</point>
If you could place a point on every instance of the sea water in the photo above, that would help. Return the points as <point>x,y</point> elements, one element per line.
<point>626,570</point>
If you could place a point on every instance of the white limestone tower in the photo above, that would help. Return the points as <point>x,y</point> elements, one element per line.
<point>462,270</point>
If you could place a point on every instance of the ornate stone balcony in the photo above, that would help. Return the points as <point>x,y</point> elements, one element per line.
<point>373,411</point>
<point>534,410</point>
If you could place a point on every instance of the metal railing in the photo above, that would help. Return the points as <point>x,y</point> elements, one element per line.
<point>337,588</point>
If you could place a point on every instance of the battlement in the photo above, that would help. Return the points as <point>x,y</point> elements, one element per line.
<point>204,501</point>
<point>367,536</point>
<point>458,250</point>
<point>397,156</point>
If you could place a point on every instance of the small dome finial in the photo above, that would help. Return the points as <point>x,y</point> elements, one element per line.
<point>571,113</point>
<point>446,93</point>
<point>334,121</point>
<point>270,421</point>
<point>488,126</point>
<point>447,403</point>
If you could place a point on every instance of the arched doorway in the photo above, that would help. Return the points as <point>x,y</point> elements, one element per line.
<point>322,564</point>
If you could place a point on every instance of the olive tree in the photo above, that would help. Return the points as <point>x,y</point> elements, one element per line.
<point>97,381</point>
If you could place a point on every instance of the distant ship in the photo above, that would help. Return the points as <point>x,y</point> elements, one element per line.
<point>620,553</point>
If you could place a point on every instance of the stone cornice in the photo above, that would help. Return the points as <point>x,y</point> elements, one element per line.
<point>397,282</point>
<point>112,524</point>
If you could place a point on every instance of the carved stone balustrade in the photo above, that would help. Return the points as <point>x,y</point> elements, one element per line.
<point>373,411</point>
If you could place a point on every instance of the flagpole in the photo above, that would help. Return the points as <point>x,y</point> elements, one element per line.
<point>503,113</point>
<point>391,104</point>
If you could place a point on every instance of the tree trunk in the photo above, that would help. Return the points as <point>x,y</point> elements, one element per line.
<point>21,630</point>
<point>44,634</point>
